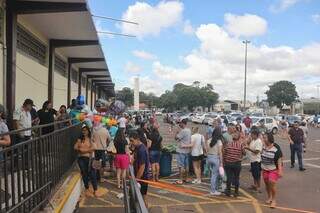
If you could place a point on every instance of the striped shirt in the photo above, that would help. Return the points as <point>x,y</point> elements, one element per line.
<point>233,152</point>
<point>270,157</point>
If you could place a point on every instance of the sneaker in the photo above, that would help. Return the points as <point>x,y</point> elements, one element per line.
<point>216,193</point>
<point>292,166</point>
<point>196,181</point>
<point>302,169</point>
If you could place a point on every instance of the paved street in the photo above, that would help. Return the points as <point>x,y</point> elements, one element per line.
<point>298,191</point>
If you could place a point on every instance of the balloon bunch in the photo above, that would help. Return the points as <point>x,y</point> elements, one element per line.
<point>105,120</point>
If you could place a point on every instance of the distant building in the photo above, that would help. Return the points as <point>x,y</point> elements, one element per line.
<point>311,106</point>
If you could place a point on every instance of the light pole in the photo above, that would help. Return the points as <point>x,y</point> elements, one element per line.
<point>318,86</point>
<point>246,42</point>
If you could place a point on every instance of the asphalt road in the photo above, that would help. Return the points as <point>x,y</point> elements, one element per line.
<point>297,191</point>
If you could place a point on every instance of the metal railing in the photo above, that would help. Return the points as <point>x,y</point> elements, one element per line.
<point>133,200</point>
<point>29,170</point>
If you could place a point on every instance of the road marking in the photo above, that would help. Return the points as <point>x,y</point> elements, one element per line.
<point>290,209</point>
<point>198,208</point>
<point>164,209</point>
<point>312,165</point>
<point>166,198</point>
<point>255,202</point>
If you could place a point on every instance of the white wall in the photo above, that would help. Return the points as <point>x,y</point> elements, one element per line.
<point>31,81</point>
<point>60,90</point>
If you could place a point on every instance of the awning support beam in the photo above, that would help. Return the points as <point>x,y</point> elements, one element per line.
<point>73,43</point>
<point>85,60</point>
<point>35,7</point>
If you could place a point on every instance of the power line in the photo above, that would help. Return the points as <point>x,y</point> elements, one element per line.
<point>118,34</point>
<point>114,19</point>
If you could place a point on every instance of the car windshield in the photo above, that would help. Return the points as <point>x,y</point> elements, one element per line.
<point>255,120</point>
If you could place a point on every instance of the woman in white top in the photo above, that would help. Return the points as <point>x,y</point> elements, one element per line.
<point>197,145</point>
<point>214,159</point>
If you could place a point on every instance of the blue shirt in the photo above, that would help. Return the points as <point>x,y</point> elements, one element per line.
<point>113,131</point>
<point>209,131</point>
<point>141,157</point>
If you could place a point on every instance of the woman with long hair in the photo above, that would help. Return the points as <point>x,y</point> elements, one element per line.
<point>215,159</point>
<point>63,116</point>
<point>46,116</point>
<point>155,150</point>
<point>85,149</point>
<point>271,165</point>
<point>122,158</point>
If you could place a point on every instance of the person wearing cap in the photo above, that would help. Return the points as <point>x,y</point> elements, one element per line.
<point>4,139</point>
<point>296,139</point>
<point>183,137</point>
<point>22,119</point>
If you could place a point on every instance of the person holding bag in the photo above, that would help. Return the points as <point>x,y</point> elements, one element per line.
<point>215,159</point>
<point>198,147</point>
<point>85,149</point>
<point>122,159</point>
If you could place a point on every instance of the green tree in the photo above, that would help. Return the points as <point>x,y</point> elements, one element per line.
<point>125,95</point>
<point>282,93</point>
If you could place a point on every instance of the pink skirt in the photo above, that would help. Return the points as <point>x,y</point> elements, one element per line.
<point>122,161</point>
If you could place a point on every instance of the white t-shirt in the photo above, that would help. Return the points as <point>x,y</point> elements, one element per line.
<point>24,120</point>
<point>255,145</point>
<point>198,141</point>
<point>122,122</point>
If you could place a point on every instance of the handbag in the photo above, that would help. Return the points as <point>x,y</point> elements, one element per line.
<point>96,164</point>
<point>111,148</point>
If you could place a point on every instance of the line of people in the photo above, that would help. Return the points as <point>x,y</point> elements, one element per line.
<point>224,153</point>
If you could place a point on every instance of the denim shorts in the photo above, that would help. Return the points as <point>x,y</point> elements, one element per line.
<point>183,160</point>
<point>256,170</point>
<point>154,156</point>
<point>101,155</point>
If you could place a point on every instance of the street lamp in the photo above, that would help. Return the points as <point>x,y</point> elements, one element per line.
<point>246,42</point>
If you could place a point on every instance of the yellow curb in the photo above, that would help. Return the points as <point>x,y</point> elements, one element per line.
<point>72,183</point>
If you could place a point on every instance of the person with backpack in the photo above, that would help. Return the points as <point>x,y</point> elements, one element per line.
<point>271,165</point>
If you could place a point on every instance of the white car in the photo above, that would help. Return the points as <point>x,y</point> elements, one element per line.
<point>198,118</point>
<point>269,122</point>
<point>158,113</point>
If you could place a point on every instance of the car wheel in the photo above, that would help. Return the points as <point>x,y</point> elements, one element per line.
<point>274,130</point>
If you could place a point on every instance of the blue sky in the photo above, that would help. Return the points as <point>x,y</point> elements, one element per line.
<point>184,41</point>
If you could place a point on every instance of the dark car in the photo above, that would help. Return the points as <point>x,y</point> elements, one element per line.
<point>292,119</point>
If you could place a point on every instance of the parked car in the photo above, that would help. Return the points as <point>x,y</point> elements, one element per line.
<point>158,113</point>
<point>187,116</point>
<point>208,118</point>
<point>292,119</point>
<point>269,122</point>
<point>198,118</point>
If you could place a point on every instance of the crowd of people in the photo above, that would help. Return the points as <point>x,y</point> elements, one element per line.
<point>137,141</point>
<point>224,147</point>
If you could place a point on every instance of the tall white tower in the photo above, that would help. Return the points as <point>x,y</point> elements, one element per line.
<point>136,93</point>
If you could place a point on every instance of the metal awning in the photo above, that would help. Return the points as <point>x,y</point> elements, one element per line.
<point>77,25</point>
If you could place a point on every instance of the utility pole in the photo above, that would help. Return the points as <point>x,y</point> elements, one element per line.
<point>246,42</point>
<point>318,86</point>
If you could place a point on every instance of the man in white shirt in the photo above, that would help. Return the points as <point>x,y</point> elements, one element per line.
<point>122,122</point>
<point>254,149</point>
<point>22,120</point>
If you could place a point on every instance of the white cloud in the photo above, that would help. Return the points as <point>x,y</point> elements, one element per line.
<point>316,18</point>
<point>283,5</point>
<point>219,60</point>
<point>152,19</point>
<point>149,85</point>
<point>245,25</point>
<point>187,28</point>
<point>131,67</point>
<point>144,55</point>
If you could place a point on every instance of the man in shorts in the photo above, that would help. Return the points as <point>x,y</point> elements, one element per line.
<point>183,137</point>
<point>141,163</point>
